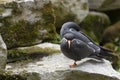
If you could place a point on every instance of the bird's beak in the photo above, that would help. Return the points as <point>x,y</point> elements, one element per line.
<point>69,43</point>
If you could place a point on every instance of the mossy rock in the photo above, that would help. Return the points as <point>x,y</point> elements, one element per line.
<point>32,52</point>
<point>12,77</point>
<point>62,18</point>
<point>28,24</point>
<point>23,76</point>
<point>104,5</point>
<point>112,34</point>
<point>94,25</point>
<point>69,11</point>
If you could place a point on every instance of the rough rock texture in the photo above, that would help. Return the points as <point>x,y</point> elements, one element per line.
<point>32,52</point>
<point>27,23</point>
<point>104,4</point>
<point>94,25</point>
<point>69,10</point>
<point>56,67</point>
<point>3,54</point>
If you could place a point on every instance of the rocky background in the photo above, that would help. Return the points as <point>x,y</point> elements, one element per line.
<point>26,26</point>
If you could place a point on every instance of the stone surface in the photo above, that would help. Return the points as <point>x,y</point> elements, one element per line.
<point>32,52</point>
<point>112,34</point>
<point>56,67</point>
<point>69,10</point>
<point>25,23</point>
<point>104,4</point>
<point>94,25</point>
<point>28,22</point>
<point>3,54</point>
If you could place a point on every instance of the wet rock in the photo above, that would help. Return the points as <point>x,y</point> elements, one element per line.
<point>27,23</point>
<point>69,10</point>
<point>56,67</point>
<point>3,54</point>
<point>104,4</point>
<point>94,25</point>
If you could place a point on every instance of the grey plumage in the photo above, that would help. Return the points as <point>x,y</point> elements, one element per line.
<point>76,45</point>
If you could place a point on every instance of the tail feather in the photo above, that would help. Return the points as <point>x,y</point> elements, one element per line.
<point>107,54</point>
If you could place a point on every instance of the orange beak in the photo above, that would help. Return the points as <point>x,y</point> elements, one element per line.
<point>69,43</point>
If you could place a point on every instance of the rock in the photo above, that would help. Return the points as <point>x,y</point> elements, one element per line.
<point>104,4</point>
<point>112,34</point>
<point>6,76</point>
<point>56,67</point>
<point>94,25</point>
<point>69,10</point>
<point>32,52</point>
<point>27,23</point>
<point>113,15</point>
<point>3,54</point>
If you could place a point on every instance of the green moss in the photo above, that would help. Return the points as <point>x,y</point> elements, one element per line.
<point>33,76</point>
<point>29,53</point>
<point>6,76</point>
<point>19,33</point>
<point>48,13</point>
<point>94,25</point>
<point>2,62</point>
<point>84,6</point>
<point>1,10</point>
<point>62,16</point>
<point>24,33</point>
<point>107,2</point>
<point>49,21</point>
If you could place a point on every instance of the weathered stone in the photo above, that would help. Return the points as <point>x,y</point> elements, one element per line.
<point>27,23</point>
<point>3,54</point>
<point>104,4</point>
<point>69,10</point>
<point>32,52</point>
<point>94,25</point>
<point>56,67</point>
<point>112,34</point>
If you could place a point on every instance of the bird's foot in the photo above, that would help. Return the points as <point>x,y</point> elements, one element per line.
<point>73,65</point>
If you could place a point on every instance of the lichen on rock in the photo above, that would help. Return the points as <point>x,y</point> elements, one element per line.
<point>28,24</point>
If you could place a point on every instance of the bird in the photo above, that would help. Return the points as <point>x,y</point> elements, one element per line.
<point>76,45</point>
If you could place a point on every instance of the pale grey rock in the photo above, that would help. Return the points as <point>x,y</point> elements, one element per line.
<point>77,7</point>
<point>35,17</point>
<point>6,13</point>
<point>104,4</point>
<point>32,52</point>
<point>3,54</point>
<point>56,67</point>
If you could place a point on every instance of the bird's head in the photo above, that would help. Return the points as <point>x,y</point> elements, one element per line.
<point>67,27</point>
<point>69,38</point>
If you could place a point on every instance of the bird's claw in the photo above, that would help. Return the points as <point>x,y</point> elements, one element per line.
<point>73,65</point>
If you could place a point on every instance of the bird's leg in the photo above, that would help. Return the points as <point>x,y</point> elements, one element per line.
<point>73,65</point>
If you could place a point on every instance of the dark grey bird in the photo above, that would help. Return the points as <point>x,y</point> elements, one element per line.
<point>76,45</point>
